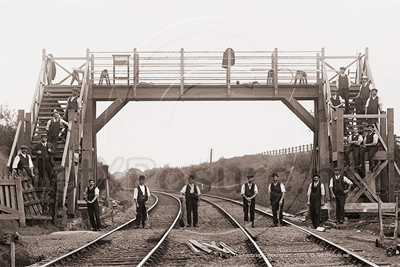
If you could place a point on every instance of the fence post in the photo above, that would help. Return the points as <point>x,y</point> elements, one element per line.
<point>20,202</point>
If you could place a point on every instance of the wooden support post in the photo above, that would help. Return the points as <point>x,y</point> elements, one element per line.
<point>91,58</point>
<point>21,137</point>
<point>135,70</point>
<point>396,222</point>
<point>20,200</point>
<point>12,245</point>
<point>318,69</point>
<point>28,128</point>
<point>87,144</point>
<point>228,73</point>
<point>340,137</point>
<point>276,71</point>
<point>182,88</point>
<point>391,147</point>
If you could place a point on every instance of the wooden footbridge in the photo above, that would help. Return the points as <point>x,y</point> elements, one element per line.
<point>182,75</point>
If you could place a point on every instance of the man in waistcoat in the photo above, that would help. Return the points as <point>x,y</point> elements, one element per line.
<point>337,187</point>
<point>22,162</point>
<point>363,95</point>
<point>315,199</point>
<point>343,85</point>
<point>192,195</point>
<point>370,145</point>
<point>354,141</point>
<point>91,195</point>
<point>277,191</point>
<point>44,152</point>
<point>373,105</point>
<point>53,128</point>
<point>141,196</point>
<point>249,192</point>
<point>336,101</point>
<point>73,103</point>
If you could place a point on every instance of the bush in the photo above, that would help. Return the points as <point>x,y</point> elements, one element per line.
<point>8,127</point>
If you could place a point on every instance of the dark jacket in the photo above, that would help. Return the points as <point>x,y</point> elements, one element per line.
<point>46,155</point>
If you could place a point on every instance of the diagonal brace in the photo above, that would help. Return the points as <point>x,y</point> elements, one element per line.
<point>300,112</point>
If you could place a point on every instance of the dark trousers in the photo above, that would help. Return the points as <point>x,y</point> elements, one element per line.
<point>191,207</point>
<point>246,209</point>
<point>141,214</point>
<point>340,201</point>
<point>360,105</point>
<point>275,208</point>
<point>45,166</point>
<point>356,155</point>
<point>94,214</point>
<point>371,152</point>
<point>53,139</point>
<point>315,210</point>
<point>344,93</point>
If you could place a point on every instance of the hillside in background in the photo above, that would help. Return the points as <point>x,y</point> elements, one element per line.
<point>225,177</point>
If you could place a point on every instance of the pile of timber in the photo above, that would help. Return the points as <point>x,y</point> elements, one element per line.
<point>222,250</point>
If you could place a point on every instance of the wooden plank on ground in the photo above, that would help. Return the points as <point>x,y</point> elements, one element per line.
<point>364,207</point>
<point>192,248</point>
<point>215,248</point>
<point>200,246</point>
<point>225,246</point>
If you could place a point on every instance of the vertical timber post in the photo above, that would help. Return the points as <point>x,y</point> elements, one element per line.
<point>391,146</point>
<point>135,71</point>
<point>228,73</point>
<point>87,144</point>
<point>276,71</point>
<point>182,72</point>
<point>28,128</point>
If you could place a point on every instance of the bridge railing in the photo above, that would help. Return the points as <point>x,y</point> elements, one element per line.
<point>202,67</point>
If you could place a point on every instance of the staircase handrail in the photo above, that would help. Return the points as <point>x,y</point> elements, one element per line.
<point>327,93</point>
<point>38,95</point>
<point>13,148</point>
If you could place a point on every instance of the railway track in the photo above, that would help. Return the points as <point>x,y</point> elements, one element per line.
<point>125,246</point>
<point>290,245</point>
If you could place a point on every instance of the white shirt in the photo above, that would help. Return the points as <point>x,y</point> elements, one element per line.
<point>17,159</point>
<point>183,191</point>
<point>322,189</point>
<point>243,189</point>
<point>142,187</point>
<point>282,188</point>
<point>358,142</point>
<point>373,98</point>
<point>54,120</point>
<point>345,179</point>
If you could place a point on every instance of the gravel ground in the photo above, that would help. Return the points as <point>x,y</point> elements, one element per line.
<point>40,242</point>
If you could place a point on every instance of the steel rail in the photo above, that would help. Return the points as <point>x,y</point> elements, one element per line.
<point>152,252</point>
<point>69,254</point>
<point>317,237</point>
<point>263,257</point>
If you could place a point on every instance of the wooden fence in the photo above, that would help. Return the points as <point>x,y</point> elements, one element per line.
<point>291,150</point>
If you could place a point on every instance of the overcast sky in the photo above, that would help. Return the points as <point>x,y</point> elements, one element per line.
<point>153,134</point>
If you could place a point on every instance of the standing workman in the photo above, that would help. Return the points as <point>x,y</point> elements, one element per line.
<point>343,84</point>
<point>23,161</point>
<point>369,145</point>
<point>315,199</point>
<point>73,103</point>
<point>277,191</point>
<point>44,152</point>
<point>91,195</point>
<point>249,192</point>
<point>337,187</point>
<point>141,195</point>
<point>192,195</point>
<point>373,106</point>
<point>53,128</point>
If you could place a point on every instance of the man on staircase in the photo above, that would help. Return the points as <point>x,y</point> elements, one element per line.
<point>22,162</point>
<point>363,95</point>
<point>44,152</point>
<point>53,128</point>
<point>373,106</point>
<point>73,103</point>
<point>370,145</point>
<point>343,84</point>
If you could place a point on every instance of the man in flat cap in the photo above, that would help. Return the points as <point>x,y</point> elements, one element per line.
<point>373,105</point>
<point>192,193</point>
<point>141,195</point>
<point>370,145</point>
<point>362,96</point>
<point>23,161</point>
<point>336,101</point>
<point>44,152</point>
<point>53,128</point>
<point>91,195</point>
<point>73,103</point>
<point>277,191</point>
<point>249,192</point>
<point>343,84</point>
<point>337,187</point>
<point>316,199</point>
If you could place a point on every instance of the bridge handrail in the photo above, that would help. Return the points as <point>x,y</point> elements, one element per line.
<point>14,145</point>
<point>38,95</point>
